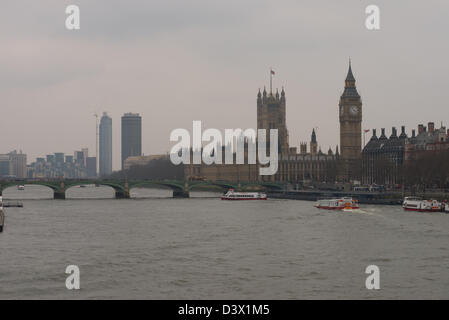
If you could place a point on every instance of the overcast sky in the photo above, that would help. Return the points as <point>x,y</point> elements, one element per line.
<point>178,61</point>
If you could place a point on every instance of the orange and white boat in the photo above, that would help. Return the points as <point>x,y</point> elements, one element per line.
<point>345,204</point>
<point>418,204</point>
<point>232,195</point>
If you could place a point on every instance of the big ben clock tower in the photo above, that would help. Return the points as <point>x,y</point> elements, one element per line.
<point>350,129</point>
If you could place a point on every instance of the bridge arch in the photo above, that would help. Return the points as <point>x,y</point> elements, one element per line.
<point>178,188</point>
<point>14,184</point>
<point>199,185</point>
<point>224,186</point>
<point>92,192</point>
<point>119,190</point>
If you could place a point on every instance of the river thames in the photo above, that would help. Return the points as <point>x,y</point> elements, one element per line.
<point>155,247</point>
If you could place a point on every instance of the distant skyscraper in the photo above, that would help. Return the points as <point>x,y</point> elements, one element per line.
<point>5,165</point>
<point>131,136</point>
<point>59,158</point>
<point>78,157</point>
<point>105,145</point>
<point>19,164</point>
<point>85,152</point>
<point>91,167</point>
<point>50,158</point>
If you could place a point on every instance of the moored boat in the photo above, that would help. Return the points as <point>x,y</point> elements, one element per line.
<point>418,204</point>
<point>233,195</point>
<point>338,204</point>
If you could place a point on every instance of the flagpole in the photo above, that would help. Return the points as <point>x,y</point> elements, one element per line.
<point>271,81</point>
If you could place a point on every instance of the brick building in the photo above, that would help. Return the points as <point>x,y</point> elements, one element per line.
<point>385,160</point>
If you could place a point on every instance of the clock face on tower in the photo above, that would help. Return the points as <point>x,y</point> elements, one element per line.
<point>354,110</point>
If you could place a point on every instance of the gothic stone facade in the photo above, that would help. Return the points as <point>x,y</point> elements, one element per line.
<point>293,166</point>
<point>350,110</point>
<point>383,158</point>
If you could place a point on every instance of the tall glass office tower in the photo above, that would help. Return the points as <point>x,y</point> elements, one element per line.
<point>105,145</point>
<point>131,136</point>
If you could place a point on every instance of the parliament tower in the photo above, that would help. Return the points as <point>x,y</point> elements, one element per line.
<point>350,129</point>
<point>271,115</point>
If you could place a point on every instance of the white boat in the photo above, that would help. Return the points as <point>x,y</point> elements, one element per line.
<point>2,215</point>
<point>21,187</point>
<point>418,204</point>
<point>446,207</point>
<point>346,204</point>
<point>233,195</point>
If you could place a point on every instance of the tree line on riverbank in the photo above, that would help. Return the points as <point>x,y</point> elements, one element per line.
<point>157,169</point>
<point>429,170</point>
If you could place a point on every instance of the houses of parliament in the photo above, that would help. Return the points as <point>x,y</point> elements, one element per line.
<point>309,163</point>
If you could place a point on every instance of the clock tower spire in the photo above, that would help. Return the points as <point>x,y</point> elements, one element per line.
<point>350,109</point>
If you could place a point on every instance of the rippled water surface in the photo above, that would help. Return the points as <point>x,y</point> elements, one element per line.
<point>203,248</point>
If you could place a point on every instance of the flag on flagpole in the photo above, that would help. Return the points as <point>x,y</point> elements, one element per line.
<point>271,80</point>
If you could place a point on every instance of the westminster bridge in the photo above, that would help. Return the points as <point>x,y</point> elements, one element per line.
<point>181,189</point>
